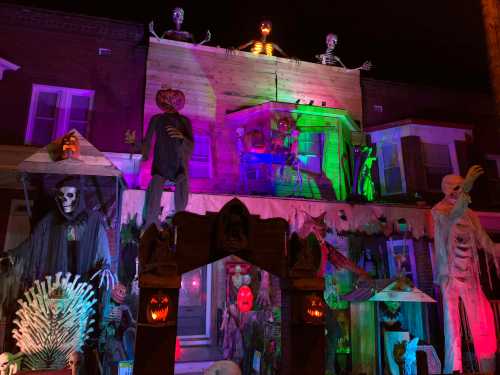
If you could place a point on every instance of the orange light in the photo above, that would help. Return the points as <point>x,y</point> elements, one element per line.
<point>157,310</point>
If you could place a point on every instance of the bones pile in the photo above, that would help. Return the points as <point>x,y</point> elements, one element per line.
<point>54,321</point>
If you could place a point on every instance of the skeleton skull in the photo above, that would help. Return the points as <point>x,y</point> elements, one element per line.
<point>331,40</point>
<point>67,196</point>
<point>74,362</point>
<point>8,365</point>
<point>5,363</point>
<point>178,17</point>
<point>452,187</point>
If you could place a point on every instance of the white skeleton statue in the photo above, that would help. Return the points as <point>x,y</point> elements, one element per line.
<point>458,235</point>
<point>10,363</point>
<point>178,34</point>
<point>329,58</point>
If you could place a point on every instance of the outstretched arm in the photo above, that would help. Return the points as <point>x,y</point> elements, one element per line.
<point>152,30</point>
<point>278,48</point>
<point>243,46</point>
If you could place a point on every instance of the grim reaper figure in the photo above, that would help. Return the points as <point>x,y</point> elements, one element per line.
<point>458,235</point>
<point>69,238</point>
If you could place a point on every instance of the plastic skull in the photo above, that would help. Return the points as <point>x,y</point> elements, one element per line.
<point>452,187</point>
<point>67,196</point>
<point>178,17</point>
<point>74,362</point>
<point>5,363</point>
<point>331,40</point>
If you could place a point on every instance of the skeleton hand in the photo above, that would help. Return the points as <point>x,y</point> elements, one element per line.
<point>472,174</point>
<point>367,65</point>
<point>231,51</point>
<point>152,30</point>
<point>263,298</point>
<point>135,288</point>
<point>174,133</point>
<point>208,37</point>
<point>107,278</point>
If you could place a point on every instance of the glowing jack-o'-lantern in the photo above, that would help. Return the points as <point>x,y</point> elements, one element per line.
<point>70,147</point>
<point>314,309</point>
<point>245,299</point>
<point>157,311</point>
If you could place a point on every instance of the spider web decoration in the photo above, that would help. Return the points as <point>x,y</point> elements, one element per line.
<point>54,320</point>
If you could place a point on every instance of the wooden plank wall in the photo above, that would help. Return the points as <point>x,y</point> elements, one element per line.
<point>216,83</point>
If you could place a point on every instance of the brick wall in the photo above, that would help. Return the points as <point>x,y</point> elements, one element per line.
<point>58,49</point>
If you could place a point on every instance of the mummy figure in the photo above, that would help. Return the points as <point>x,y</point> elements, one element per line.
<point>329,58</point>
<point>263,46</point>
<point>178,34</point>
<point>458,235</point>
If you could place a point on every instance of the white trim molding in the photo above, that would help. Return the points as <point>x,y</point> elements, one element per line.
<point>7,65</point>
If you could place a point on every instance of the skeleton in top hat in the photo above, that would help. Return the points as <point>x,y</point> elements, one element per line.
<point>178,34</point>
<point>458,235</point>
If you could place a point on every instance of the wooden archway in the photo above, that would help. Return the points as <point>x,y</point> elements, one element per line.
<point>196,240</point>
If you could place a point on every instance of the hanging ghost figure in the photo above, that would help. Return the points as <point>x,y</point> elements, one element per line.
<point>178,34</point>
<point>329,58</point>
<point>458,235</point>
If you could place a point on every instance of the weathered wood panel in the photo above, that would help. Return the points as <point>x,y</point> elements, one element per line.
<point>216,83</point>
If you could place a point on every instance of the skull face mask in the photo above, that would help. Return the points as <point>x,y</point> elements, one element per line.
<point>67,196</point>
<point>452,187</point>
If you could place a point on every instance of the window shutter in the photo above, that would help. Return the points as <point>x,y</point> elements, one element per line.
<point>416,179</point>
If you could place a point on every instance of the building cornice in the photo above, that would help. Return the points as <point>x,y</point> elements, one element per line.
<point>36,18</point>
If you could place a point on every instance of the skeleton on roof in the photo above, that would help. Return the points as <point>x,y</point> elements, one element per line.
<point>263,46</point>
<point>329,58</point>
<point>178,34</point>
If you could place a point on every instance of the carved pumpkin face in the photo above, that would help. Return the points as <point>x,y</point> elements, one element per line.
<point>70,147</point>
<point>245,299</point>
<point>315,308</point>
<point>157,311</point>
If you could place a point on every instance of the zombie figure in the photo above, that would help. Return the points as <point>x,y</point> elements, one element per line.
<point>263,46</point>
<point>67,239</point>
<point>458,235</point>
<point>172,152</point>
<point>329,58</point>
<point>178,34</point>
<point>118,331</point>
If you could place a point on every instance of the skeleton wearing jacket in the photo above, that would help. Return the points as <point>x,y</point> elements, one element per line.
<point>458,236</point>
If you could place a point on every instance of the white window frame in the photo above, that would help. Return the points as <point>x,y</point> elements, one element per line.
<point>380,160</point>
<point>205,339</point>
<point>63,106</point>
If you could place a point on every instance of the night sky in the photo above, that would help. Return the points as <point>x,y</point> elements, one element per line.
<point>438,42</point>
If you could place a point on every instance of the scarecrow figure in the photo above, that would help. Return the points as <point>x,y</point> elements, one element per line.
<point>172,152</point>
<point>458,235</point>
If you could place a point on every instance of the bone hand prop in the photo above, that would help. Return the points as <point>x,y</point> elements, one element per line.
<point>263,298</point>
<point>107,278</point>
